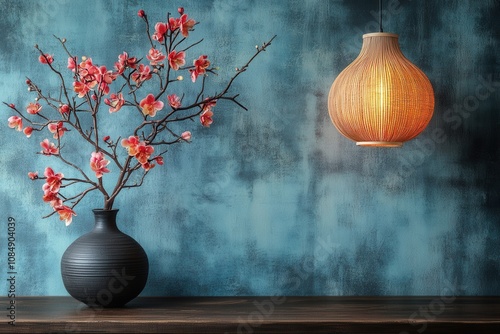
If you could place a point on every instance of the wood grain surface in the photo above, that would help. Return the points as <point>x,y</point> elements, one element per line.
<point>259,315</point>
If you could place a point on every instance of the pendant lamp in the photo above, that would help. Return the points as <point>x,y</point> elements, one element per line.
<point>381,99</point>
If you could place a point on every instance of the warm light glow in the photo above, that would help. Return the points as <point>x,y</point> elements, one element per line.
<point>381,98</point>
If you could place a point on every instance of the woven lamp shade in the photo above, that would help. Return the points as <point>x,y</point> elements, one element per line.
<point>381,98</point>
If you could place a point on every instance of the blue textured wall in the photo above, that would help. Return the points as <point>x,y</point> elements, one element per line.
<point>275,200</point>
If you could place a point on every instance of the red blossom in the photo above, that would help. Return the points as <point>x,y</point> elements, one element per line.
<point>115,102</point>
<point>98,164</point>
<point>155,56</point>
<point>65,213</point>
<point>131,145</point>
<point>160,31</point>
<point>45,59</point>
<point>173,24</point>
<point>150,105</point>
<point>48,148</point>
<point>185,25</point>
<point>52,198</point>
<point>125,61</point>
<point>71,63</point>
<point>28,131</point>
<point>80,88</point>
<point>209,104</point>
<point>16,122</point>
<point>57,129</point>
<point>142,74</point>
<point>144,152</point>
<point>147,166</point>
<point>159,160</point>
<point>176,59</point>
<point>206,118</point>
<point>33,108</point>
<point>200,67</point>
<point>53,181</point>
<point>64,109</point>
<point>174,101</point>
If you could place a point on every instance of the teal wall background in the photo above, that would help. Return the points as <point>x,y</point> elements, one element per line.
<point>275,200</point>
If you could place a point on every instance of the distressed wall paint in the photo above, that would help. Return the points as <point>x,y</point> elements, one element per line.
<point>275,200</point>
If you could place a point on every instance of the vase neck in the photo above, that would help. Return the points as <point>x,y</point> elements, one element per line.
<point>105,220</point>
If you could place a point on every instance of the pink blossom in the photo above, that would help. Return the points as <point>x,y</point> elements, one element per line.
<point>176,59</point>
<point>131,144</point>
<point>80,88</point>
<point>209,104</point>
<point>160,30</point>
<point>200,67</point>
<point>173,24</point>
<point>48,148</point>
<point>65,213</point>
<point>147,166</point>
<point>106,78</point>
<point>28,131</point>
<point>89,74</point>
<point>155,56</point>
<point>144,152</point>
<point>159,160</point>
<point>115,102</point>
<point>186,135</point>
<point>16,122</point>
<point>206,118</point>
<point>174,101</point>
<point>33,175</point>
<point>142,74</point>
<point>186,25</point>
<point>150,105</point>
<point>52,198</point>
<point>71,63</point>
<point>45,59</point>
<point>98,164</point>
<point>125,61</point>
<point>64,109</point>
<point>57,129</point>
<point>33,108</point>
<point>53,181</point>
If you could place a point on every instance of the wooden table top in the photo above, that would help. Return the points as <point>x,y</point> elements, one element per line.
<point>401,315</point>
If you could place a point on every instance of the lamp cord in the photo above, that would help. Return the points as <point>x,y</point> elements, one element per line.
<point>380,15</point>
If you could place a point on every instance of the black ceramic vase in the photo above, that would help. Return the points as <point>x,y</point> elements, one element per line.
<point>104,267</point>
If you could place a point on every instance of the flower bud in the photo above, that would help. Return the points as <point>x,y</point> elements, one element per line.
<point>180,10</point>
<point>141,13</point>
<point>64,108</point>
<point>28,81</point>
<point>106,138</point>
<point>180,78</point>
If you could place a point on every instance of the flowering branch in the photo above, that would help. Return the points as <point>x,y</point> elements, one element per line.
<point>78,109</point>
